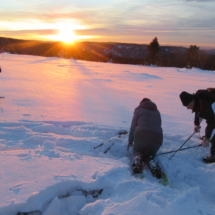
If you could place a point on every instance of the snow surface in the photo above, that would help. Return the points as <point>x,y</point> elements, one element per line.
<point>55,112</point>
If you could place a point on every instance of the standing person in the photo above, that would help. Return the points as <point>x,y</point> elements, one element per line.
<point>203,105</point>
<point>146,133</point>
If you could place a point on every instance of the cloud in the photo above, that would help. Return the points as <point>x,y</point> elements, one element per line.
<point>200,1</point>
<point>116,20</point>
<point>28,33</point>
<point>121,14</point>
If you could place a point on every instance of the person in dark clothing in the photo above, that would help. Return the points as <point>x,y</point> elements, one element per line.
<point>146,134</point>
<point>203,109</point>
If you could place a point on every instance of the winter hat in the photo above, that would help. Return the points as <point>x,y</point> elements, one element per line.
<point>145,100</point>
<point>186,98</point>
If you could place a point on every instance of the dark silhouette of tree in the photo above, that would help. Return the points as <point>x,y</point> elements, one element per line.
<point>192,58</point>
<point>110,57</point>
<point>153,52</point>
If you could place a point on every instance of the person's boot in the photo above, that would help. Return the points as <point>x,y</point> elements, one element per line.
<point>155,168</point>
<point>209,159</point>
<point>136,165</point>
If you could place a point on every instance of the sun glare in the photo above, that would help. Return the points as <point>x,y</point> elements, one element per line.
<point>66,35</point>
<point>65,32</point>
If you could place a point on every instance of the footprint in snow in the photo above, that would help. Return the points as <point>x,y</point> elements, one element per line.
<point>16,188</point>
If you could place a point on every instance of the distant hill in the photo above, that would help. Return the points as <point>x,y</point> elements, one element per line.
<point>210,51</point>
<point>122,50</point>
<point>126,53</point>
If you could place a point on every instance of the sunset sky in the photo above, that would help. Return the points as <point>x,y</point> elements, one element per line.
<point>175,22</point>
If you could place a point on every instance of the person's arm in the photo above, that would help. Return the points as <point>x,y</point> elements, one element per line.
<point>208,131</point>
<point>197,122</point>
<point>132,129</point>
<point>196,119</point>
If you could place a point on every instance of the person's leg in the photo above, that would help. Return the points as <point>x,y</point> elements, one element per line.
<point>141,138</point>
<point>151,151</point>
<point>137,154</point>
<point>137,157</point>
<point>211,158</point>
<point>213,143</point>
<point>139,146</point>
<point>137,162</point>
<point>152,143</point>
<point>146,145</point>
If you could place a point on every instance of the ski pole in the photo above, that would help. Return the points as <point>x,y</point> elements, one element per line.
<point>103,143</point>
<point>108,148</point>
<point>120,134</point>
<point>178,150</point>
<point>182,145</point>
<point>111,146</point>
<point>99,145</point>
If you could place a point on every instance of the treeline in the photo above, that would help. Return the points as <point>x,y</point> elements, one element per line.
<point>206,61</point>
<point>193,57</point>
<point>186,58</point>
<point>152,54</point>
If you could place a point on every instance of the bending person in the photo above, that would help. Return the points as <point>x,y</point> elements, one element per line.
<point>146,134</point>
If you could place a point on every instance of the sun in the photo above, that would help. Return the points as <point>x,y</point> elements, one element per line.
<point>65,32</point>
<point>66,35</point>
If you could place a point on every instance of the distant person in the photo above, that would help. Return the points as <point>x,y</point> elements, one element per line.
<point>203,105</point>
<point>146,134</point>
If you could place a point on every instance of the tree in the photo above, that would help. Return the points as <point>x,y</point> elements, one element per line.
<point>153,52</point>
<point>192,57</point>
<point>110,57</point>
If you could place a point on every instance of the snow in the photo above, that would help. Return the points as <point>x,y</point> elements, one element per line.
<point>55,112</point>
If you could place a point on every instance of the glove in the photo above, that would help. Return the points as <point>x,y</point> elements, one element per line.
<point>205,142</point>
<point>197,128</point>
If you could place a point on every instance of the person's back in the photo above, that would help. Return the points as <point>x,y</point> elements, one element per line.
<point>146,131</point>
<point>148,117</point>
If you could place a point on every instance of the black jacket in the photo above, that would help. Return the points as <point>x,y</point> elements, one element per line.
<point>205,109</point>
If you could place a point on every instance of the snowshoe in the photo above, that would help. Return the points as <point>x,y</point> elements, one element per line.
<point>155,169</point>
<point>209,159</point>
<point>157,172</point>
<point>137,168</point>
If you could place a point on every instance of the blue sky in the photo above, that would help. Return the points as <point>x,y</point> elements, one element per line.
<point>175,22</point>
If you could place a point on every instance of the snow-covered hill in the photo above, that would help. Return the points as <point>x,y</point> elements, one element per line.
<point>55,112</point>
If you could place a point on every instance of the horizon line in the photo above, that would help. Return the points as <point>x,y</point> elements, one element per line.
<point>211,46</point>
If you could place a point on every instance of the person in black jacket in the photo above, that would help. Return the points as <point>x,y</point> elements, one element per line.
<point>203,109</point>
<point>146,133</point>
